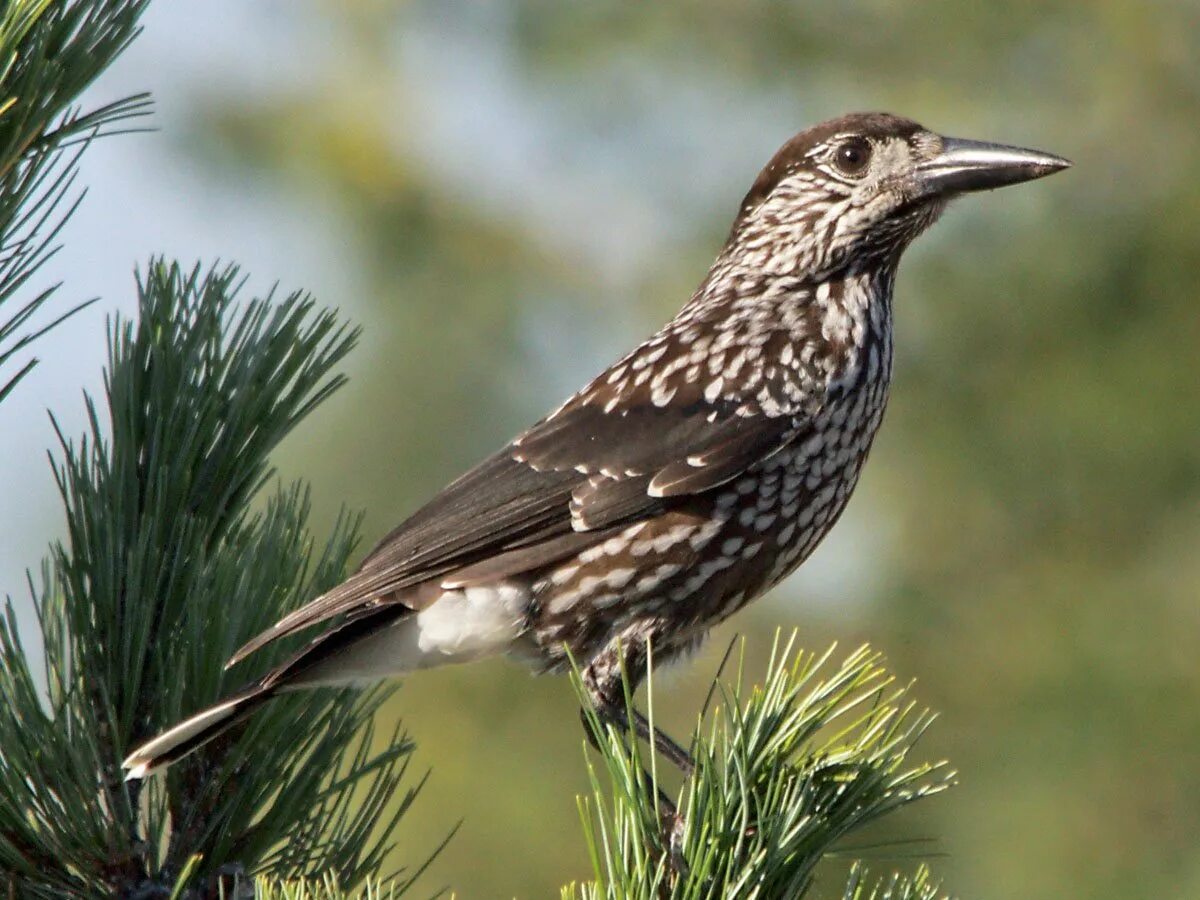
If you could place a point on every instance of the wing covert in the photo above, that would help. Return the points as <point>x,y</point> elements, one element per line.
<point>627,446</point>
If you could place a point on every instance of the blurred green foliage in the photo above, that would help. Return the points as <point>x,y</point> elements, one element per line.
<point>530,186</point>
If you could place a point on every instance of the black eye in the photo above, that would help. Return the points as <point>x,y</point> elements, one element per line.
<point>852,156</point>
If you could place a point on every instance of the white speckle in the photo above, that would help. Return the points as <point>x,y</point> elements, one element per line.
<point>704,534</point>
<point>563,575</point>
<point>588,583</point>
<point>735,364</point>
<point>811,446</point>
<point>762,523</point>
<point>654,355</point>
<point>703,574</point>
<point>591,554</point>
<point>618,578</point>
<point>732,545</point>
<point>666,570</point>
<point>615,545</point>
<point>668,539</point>
<point>826,494</point>
<point>713,389</point>
<point>661,394</point>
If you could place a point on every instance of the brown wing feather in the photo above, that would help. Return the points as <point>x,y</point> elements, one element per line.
<point>599,463</point>
<point>499,505</point>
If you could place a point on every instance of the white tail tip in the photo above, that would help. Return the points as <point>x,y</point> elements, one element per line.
<point>182,739</point>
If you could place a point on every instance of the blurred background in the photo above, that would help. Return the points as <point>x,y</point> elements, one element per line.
<point>506,195</point>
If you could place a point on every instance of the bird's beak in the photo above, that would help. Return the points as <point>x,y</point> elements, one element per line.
<point>977,166</point>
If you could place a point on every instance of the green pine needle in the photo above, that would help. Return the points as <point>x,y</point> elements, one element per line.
<point>786,770</point>
<point>896,887</point>
<point>50,51</point>
<point>326,888</point>
<point>177,552</point>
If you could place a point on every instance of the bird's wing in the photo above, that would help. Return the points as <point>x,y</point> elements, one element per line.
<point>608,457</point>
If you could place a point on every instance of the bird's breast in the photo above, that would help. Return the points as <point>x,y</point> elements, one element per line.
<point>707,556</point>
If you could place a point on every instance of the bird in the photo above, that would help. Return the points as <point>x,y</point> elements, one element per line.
<point>680,484</point>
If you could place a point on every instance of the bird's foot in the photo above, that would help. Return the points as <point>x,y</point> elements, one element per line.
<point>672,826</point>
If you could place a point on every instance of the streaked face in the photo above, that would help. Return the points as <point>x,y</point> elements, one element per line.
<point>848,190</point>
<point>855,191</point>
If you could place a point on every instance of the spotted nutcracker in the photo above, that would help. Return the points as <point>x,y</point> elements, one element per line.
<point>685,480</point>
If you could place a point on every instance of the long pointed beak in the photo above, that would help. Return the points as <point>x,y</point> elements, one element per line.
<point>977,166</point>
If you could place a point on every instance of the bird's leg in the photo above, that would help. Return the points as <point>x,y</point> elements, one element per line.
<point>660,741</point>
<point>603,682</point>
<point>606,690</point>
<point>618,716</point>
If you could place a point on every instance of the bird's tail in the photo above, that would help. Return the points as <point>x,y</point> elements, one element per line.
<point>177,742</point>
<point>313,665</point>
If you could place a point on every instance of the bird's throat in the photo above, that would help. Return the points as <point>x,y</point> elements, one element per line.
<point>854,313</point>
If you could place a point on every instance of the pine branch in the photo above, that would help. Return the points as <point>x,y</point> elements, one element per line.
<point>50,52</point>
<point>786,769</point>
<point>896,887</point>
<point>323,889</point>
<point>170,564</point>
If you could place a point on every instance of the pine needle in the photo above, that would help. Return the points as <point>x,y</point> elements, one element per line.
<point>787,769</point>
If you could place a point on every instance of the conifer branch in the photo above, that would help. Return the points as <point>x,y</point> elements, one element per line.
<point>50,51</point>
<point>171,562</point>
<point>786,770</point>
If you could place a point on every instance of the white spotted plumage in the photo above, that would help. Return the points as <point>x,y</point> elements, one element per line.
<point>678,485</point>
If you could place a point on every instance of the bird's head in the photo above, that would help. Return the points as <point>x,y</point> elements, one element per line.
<point>856,190</point>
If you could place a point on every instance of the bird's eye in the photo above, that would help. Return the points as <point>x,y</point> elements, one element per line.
<point>852,156</point>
